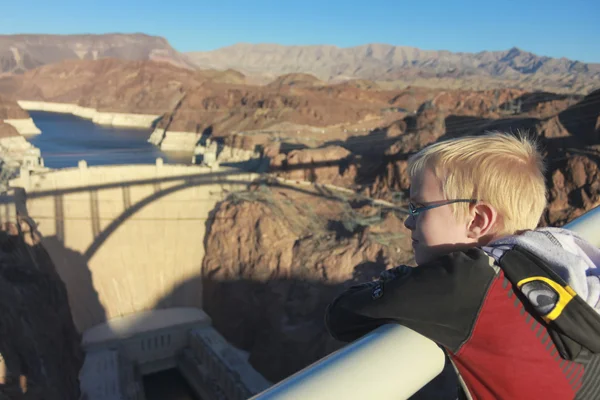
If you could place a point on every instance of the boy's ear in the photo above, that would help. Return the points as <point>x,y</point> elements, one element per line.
<point>482,221</point>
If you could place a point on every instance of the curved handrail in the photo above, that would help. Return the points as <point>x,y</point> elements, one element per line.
<point>368,368</point>
<point>588,226</point>
<point>391,362</point>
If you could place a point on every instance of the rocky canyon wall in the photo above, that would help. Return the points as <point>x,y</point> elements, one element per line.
<point>39,345</point>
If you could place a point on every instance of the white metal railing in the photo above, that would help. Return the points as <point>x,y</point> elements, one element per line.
<point>588,226</point>
<point>391,362</point>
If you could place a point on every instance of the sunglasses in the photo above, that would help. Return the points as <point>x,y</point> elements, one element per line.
<point>415,211</point>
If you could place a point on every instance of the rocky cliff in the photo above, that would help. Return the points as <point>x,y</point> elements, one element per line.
<point>7,131</point>
<point>295,108</point>
<point>106,85</point>
<point>9,109</point>
<point>192,101</point>
<point>12,114</point>
<point>39,344</point>
<point>275,257</point>
<point>570,139</point>
<point>332,164</point>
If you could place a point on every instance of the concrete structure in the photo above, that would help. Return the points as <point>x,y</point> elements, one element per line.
<point>127,239</point>
<point>97,117</point>
<point>128,243</point>
<point>151,338</point>
<point>174,141</point>
<point>24,126</point>
<point>121,351</point>
<point>17,152</point>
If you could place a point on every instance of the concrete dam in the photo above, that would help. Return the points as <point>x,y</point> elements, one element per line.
<point>128,242</point>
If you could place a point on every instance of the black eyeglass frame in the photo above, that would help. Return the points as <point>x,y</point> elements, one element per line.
<point>415,211</point>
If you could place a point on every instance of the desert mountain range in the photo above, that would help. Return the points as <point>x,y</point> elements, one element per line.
<point>20,53</point>
<point>397,66</point>
<point>389,63</point>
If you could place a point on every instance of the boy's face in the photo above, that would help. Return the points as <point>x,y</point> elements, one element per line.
<point>435,231</point>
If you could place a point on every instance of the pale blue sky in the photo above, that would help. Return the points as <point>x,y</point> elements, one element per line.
<point>567,28</point>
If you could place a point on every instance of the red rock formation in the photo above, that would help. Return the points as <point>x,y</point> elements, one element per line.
<point>275,258</point>
<point>332,164</point>
<point>469,103</point>
<point>7,130</point>
<point>108,85</point>
<point>567,137</point>
<point>296,79</point>
<point>552,128</point>
<point>10,110</point>
<point>574,187</point>
<point>192,101</point>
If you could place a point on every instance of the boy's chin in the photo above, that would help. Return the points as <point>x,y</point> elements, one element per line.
<point>421,257</point>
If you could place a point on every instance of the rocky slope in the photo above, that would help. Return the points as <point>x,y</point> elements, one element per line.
<point>274,259</point>
<point>195,101</point>
<point>20,53</point>
<point>39,344</point>
<point>7,131</point>
<point>570,139</point>
<point>15,121</point>
<point>107,85</point>
<point>10,110</point>
<point>410,65</point>
<point>219,104</point>
<point>331,164</point>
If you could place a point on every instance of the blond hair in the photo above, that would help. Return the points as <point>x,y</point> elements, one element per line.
<point>504,170</point>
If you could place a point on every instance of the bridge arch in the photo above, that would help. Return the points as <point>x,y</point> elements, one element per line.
<point>127,239</point>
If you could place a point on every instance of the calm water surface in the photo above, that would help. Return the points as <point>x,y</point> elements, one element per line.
<point>66,139</point>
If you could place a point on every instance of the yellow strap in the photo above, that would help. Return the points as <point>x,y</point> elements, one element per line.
<point>565,295</point>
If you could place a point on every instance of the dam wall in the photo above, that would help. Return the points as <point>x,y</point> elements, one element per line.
<point>127,239</point>
<point>174,141</point>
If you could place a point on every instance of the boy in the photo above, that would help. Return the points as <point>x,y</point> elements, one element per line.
<point>472,200</point>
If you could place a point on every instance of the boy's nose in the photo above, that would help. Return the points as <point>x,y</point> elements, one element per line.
<point>409,222</point>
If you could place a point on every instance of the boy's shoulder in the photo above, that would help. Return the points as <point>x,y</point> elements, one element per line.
<point>473,257</point>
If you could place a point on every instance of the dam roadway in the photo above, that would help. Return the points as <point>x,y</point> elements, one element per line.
<point>128,242</point>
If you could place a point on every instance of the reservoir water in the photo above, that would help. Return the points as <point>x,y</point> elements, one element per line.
<point>66,139</point>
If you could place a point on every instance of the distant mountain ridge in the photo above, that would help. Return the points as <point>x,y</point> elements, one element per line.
<point>396,66</point>
<point>20,53</point>
<point>387,62</point>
